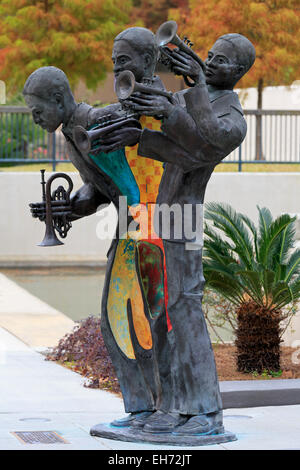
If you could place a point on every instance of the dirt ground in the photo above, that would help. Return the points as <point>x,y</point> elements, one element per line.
<point>226,366</point>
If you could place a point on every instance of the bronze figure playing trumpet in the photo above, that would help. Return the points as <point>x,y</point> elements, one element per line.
<point>167,34</point>
<point>125,87</point>
<point>54,209</point>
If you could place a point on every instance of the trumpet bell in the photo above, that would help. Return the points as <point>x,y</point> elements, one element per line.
<point>81,138</point>
<point>166,33</point>
<point>50,238</point>
<point>125,84</point>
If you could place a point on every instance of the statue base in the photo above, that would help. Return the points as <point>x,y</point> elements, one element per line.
<point>129,434</point>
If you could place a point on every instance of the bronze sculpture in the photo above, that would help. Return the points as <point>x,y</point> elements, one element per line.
<point>48,88</point>
<point>193,141</point>
<point>165,362</point>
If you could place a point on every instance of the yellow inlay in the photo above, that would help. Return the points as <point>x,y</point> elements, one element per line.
<point>124,285</point>
<point>147,172</point>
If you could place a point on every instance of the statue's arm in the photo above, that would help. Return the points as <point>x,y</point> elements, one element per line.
<point>158,146</point>
<point>196,136</point>
<point>86,201</point>
<point>95,114</point>
<point>223,127</point>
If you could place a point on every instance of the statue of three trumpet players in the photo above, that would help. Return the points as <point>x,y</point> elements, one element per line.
<point>153,147</point>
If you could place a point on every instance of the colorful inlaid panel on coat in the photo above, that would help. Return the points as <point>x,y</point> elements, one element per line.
<point>147,172</point>
<point>150,263</point>
<point>124,285</point>
<point>115,165</point>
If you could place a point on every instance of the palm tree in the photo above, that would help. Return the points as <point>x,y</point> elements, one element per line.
<point>258,270</point>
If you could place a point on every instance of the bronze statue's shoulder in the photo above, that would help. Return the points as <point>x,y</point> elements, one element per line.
<point>223,101</point>
<point>94,115</point>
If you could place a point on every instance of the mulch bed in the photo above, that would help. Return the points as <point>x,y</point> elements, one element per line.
<point>84,351</point>
<point>226,365</point>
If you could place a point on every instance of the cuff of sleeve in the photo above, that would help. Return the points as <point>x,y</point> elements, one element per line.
<point>197,95</point>
<point>145,143</point>
<point>172,119</point>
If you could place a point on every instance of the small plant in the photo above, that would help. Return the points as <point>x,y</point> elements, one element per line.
<point>275,373</point>
<point>257,269</point>
<point>84,351</point>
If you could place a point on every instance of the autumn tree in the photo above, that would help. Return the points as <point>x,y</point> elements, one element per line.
<point>273,26</point>
<point>74,35</point>
<point>152,13</point>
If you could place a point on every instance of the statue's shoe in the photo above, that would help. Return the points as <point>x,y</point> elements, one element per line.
<point>131,418</point>
<point>161,422</point>
<point>141,420</point>
<point>202,424</point>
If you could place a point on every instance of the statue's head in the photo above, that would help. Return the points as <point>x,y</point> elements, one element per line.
<point>135,49</point>
<point>47,93</point>
<point>228,60</point>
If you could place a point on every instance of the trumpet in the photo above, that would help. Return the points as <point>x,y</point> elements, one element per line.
<point>84,139</point>
<point>59,199</point>
<point>167,34</point>
<point>124,87</point>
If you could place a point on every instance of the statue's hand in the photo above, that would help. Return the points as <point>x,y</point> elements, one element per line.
<point>188,67</point>
<point>150,105</point>
<point>38,210</point>
<point>126,136</point>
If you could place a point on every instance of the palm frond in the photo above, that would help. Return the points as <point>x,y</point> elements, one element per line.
<point>227,219</point>
<point>282,246</point>
<point>217,248</point>
<point>295,288</point>
<point>280,272</point>
<point>268,279</point>
<point>287,241</point>
<point>282,295</point>
<point>267,244</point>
<point>214,266</point>
<point>231,292</point>
<point>264,221</point>
<point>252,227</point>
<point>293,265</point>
<point>252,284</point>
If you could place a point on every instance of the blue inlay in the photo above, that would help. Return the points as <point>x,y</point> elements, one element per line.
<point>115,165</point>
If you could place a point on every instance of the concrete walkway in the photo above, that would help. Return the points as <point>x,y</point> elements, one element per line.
<point>29,318</point>
<point>37,395</point>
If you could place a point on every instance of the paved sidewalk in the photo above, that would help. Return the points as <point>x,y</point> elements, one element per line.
<point>37,395</point>
<point>33,321</point>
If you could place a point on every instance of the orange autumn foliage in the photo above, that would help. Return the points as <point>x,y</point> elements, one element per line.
<point>151,13</point>
<point>74,35</point>
<point>273,26</point>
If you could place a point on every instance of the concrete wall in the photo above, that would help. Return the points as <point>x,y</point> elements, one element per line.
<point>20,233</point>
<point>244,191</point>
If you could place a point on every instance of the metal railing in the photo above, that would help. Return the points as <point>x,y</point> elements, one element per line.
<point>22,141</point>
<point>273,136</point>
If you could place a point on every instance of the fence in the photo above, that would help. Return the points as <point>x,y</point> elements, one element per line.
<point>22,141</point>
<point>273,136</point>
